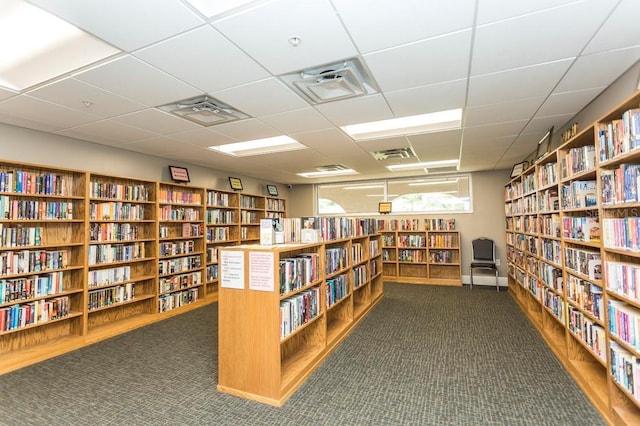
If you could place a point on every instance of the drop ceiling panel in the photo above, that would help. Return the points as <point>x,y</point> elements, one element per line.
<point>202,138</point>
<point>520,109</point>
<point>154,146</point>
<point>424,99</point>
<point>443,145</point>
<point>71,93</point>
<point>245,130</point>
<point>508,85</point>
<point>615,33</point>
<point>356,110</point>
<point>568,102</point>
<point>512,128</point>
<point>329,141</point>
<point>264,97</point>
<point>127,24</point>
<point>215,64</point>
<point>598,69</point>
<point>405,21</point>
<point>108,132</point>
<point>496,48</point>
<point>487,147</point>
<point>26,111</point>
<point>497,10</point>
<point>133,79</point>
<point>157,121</point>
<point>541,124</point>
<point>6,93</point>
<point>301,120</point>
<point>384,144</point>
<point>264,31</point>
<point>425,62</point>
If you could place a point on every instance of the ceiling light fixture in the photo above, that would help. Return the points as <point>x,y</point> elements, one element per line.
<point>435,182</point>
<point>414,124</point>
<point>259,146</point>
<point>428,164</point>
<point>326,173</point>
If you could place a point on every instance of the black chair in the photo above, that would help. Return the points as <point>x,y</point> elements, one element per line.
<point>484,257</point>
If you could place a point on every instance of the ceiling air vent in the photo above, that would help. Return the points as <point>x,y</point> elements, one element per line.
<point>332,168</point>
<point>204,110</point>
<point>332,82</point>
<point>393,154</point>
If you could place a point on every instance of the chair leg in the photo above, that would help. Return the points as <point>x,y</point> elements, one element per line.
<point>497,284</point>
<point>471,286</point>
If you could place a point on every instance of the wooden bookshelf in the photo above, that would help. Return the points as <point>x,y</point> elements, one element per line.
<point>572,261</point>
<point>181,274</point>
<point>265,357</point>
<point>251,211</point>
<point>275,208</point>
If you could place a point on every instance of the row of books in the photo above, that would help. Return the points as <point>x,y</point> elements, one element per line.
<point>28,261</point>
<point>37,312</point>
<point>274,204</point>
<point>619,136</point>
<point>250,217</point>
<point>22,182</point>
<point>212,272</point>
<point>585,262</point>
<point>113,232</point>
<point>443,240</point>
<point>335,259</point>
<point>296,272</point>
<point>101,277</point>
<point>624,323</point>
<point>178,282</point>
<point>414,256</point>
<point>548,200</point>
<point>581,228</point>
<point>337,288</point>
<point>622,233</point>
<point>218,234</point>
<point>107,253</point>
<point>530,204</point>
<point>623,278</point>
<point>588,331</point>
<point>173,248</point>
<point>248,202</point>
<point>221,217</point>
<point>179,213</point>
<point>620,185</point>
<point>553,302</point>
<point>547,174</point>
<point>586,296</point>
<point>212,254</point>
<point>357,253</point>
<point>179,264</point>
<point>625,369</point>
<point>31,287</point>
<point>20,236</point>
<point>360,275</point>
<point>398,224</point>
<point>170,301</point>
<point>578,160</point>
<point>550,225</point>
<point>111,296</point>
<point>176,196</point>
<point>551,276</point>
<point>412,240</point>
<point>219,199</point>
<point>298,310</point>
<point>117,191</point>
<point>443,256</point>
<point>116,211</point>
<point>16,209</point>
<point>579,194</point>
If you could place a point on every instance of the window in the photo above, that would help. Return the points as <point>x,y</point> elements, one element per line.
<point>408,195</point>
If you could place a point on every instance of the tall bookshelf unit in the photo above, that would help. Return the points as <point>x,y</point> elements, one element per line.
<point>286,309</point>
<point>252,209</point>
<point>275,208</point>
<point>122,244</point>
<point>181,259</point>
<point>573,257</point>
<point>222,228</point>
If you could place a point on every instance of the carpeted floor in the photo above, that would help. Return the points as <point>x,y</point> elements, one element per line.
<point>424,356</point>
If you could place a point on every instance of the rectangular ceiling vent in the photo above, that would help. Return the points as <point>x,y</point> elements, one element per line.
<point>393,154</point>
<point>332,82</point>
<point>204,110</point>
<point>332,168</point>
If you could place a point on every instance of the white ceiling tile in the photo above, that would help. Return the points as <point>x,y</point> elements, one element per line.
<point>262,97</point>
<point>568,102</point>
<point>245,130</point>
<point>528,82</point>
<point>512,128</point>
<point>153,146</point>
<point>490,147</point>
<point>425,62</point>
<point>27,111</point>
<point>404,22</point>
<point>384,144</point>
<point>615,33</point>
<point>202,138</point>
<point>71,93</point>
<point>301,120</point>
<point>357,110</point>
<point>110,132</point>
<point>497,10</point>
<point>425,99</point>
<point>127,24</point>
<point>539,124</point>
<point>264,31</point>
<point>598,69</point>
<point>157,121</point>
<point>502,45</point>
<point>520,109</point>
<point>7,93</point>
<point>327,141</point>
<point>205,59</point>
<point>131,78</point>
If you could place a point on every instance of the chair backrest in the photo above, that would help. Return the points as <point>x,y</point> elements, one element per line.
<point>484,249</point>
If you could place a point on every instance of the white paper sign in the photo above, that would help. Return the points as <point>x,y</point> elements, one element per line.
<point>232,269</point>
<point>261,271</point>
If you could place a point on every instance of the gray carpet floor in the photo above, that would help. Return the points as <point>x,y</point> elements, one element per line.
<point>424,356</point>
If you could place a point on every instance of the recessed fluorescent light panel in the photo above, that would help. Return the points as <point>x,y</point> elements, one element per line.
<point>259,146</point>
<point>428,164</point>
<point>414,124</point>
<point>36,46</point>
<point>326,173</point>
<point>211,8</point>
